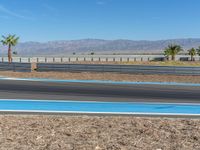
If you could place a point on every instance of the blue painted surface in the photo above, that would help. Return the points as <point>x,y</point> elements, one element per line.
<point>98,107</point>
<point>102,81</point>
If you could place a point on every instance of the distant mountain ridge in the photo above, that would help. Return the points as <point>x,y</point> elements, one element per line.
<point>98,46</point>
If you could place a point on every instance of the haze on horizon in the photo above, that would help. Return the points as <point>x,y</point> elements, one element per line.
<point>48,20</point>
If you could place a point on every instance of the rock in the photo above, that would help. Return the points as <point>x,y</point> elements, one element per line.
<point>97,148</point>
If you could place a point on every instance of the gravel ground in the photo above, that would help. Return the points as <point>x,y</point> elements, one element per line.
<point>103,76</point>
<point>23,132</point>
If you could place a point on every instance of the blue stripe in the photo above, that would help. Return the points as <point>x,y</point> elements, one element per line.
<point>98,107</point>
<point>103,81</point>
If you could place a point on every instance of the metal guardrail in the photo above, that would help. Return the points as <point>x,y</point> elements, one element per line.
<point>131,69</point>
<point>18,67</point>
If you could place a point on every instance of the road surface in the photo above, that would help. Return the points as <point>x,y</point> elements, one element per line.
<point>11,89</point>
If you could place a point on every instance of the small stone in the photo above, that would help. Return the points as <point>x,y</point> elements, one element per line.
<point>38,137</point>
<point>69,147</point>
<point>97,148</point>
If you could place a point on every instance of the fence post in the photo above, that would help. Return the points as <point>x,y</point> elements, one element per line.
<point>92,59</point>
<point>128,59</point>
<point>2,59</point>
<point>37,59</point>
<point>45,59</point>
<point>106,59</point>
<point>61,59</point>
<point>99,59</point>
<point>120,59</point>
<point>20,59</point>
<point>135,59</point>
<point>76,58</point>
<point>69,59</point>
<point>84,59</point>
<point>29,60</point>
<point>141,59</point>
<point>53,59</point>
<point>114,59</point>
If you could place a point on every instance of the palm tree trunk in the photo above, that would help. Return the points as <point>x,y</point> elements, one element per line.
<point>173,57</point>
<point>9,54</point>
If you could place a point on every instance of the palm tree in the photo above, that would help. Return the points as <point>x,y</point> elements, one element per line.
<point>173,50</point>
<point>192,53</point>
<point>198,51</point>
<point>167,53</point>
<point>10,40</point>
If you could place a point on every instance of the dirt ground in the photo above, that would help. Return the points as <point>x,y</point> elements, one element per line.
<point>23,132</point>
<point>103,76</point>
<point>149,63</point>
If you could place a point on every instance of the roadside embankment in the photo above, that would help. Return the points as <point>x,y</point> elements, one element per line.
<point>103,76</point>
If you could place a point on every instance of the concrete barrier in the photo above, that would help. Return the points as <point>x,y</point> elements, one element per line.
<point>18,67</point>
<point>131,69</point>
<point>97,58</point>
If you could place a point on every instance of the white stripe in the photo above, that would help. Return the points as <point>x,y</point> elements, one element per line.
<point>89,112</point>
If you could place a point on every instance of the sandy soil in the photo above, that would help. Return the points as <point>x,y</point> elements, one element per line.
<point>103,76</point>
<point>151,63</point>
<point>97,133</point>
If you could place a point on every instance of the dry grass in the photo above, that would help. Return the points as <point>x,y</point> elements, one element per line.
<point>97,133</point>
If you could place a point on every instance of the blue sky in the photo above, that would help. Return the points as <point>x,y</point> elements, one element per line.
<point>46,20</point>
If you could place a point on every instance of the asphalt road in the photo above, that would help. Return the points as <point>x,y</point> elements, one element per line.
<point>11,89</point>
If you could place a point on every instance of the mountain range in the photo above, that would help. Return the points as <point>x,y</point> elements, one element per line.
<point>97,46</point>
